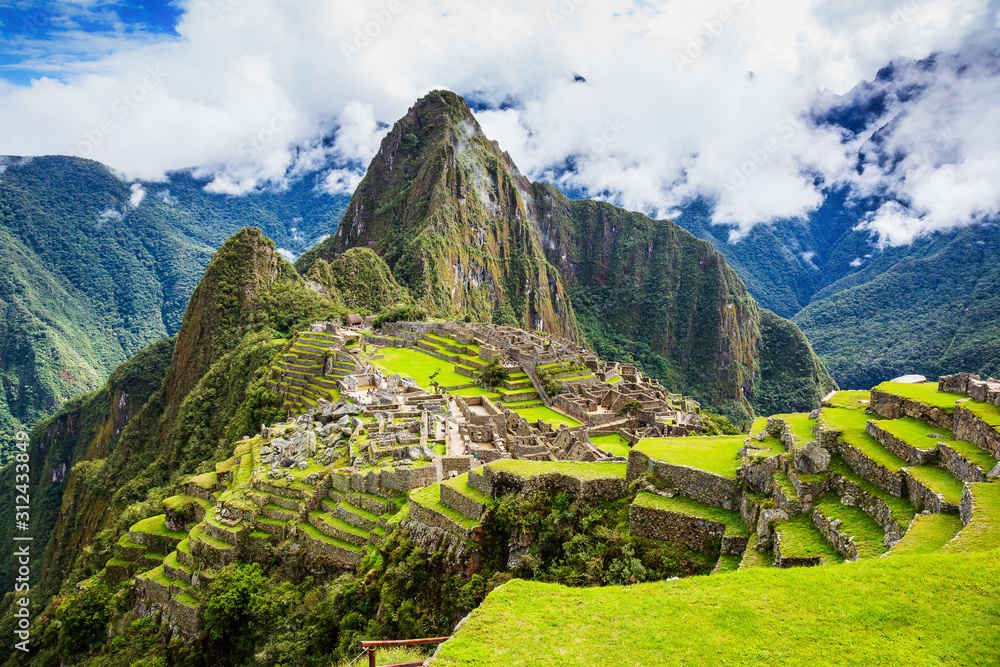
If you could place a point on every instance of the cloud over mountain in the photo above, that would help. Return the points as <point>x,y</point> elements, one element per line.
<point>645,104</point>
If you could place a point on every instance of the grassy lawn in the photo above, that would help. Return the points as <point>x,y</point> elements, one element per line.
<point>868,535</point>
<point>613,444</point>
<point>731,520</point>
<point>940,481</point>
<point>923,392</point>
<point>800,538</point>
<point>718,455</point>
<point>584,471</point>
<point>928,533</point>
<point>915,432</point>
<point>801,426</point>
<point>852,425</point>
<point>983,532</point>
<point>419,366</point>
<point>850,399</point>
<point>547,415</point>
<point>886,612</point>
<point>475,391</point>
<point>155,525</point>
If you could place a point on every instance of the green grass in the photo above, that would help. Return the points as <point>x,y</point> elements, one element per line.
<point>312,532</point>
<point>430,497</point>
<point>868,535</point>
<point>940,481</point>
<point>801,426</point>
<point>680,505</point>
<point>475,391</point>
<point>915,432</point>
<point>900,508</point>
<point>718,455</point>
<point>615,379</point>
<point>758,425</point>
<point>584,471</point>
<point>924,392</point>
<point>886,612</point>
<point>983,531</point>
<point>973,453</point>
<point>461,485</point>
<point>800,538</point>
<point>850,399</point>
<point>727,563</point>
<point>852,424</point>
<point>155,525</point>
<point>547,415</point>
<point>613,444</point>
<point>420,366</point>
<point>928,533</point>
<point>206,481</point>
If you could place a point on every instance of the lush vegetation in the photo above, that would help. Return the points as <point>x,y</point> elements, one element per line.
<point>87,278</point>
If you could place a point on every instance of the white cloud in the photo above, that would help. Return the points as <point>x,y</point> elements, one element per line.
<point>138,192</point>
<point>680,97</point>
<point>287,254</point>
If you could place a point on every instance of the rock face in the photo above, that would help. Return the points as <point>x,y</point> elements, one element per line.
<point>460,226</point>
<point>812,458</point>
<point>453,218</point>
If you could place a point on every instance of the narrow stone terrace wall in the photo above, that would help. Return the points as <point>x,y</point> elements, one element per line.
<point>705,487</point>
<point>890,406</point>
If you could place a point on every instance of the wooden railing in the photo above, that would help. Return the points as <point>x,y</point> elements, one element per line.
<point>372,646</point>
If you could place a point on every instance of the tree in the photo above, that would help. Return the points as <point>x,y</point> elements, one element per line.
<point>493,374</point>
<point>504,316</point>
<point>630,410</point>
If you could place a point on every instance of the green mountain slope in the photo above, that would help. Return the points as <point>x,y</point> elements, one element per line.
<point>932,312</point>
<point>461,227</point>
<point>87,278</point>
<point>164,412</point>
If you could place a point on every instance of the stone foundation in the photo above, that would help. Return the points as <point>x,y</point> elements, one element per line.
<point>705,487</point>
<point>658,524</point>
<point>959,466</point>
<point>831,533</point>
<point>905,451</point>
<point>970,427</point>
<point>923,498</point>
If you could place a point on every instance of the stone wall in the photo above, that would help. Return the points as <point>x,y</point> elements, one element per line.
<point>430,517</point>
<point>913,455</point>
<point>970,427</point>
<point>462,502</point>
<point>705,487</point>
<point>924,498</point>
<point>831,533</point>
<point>967,506</point>
<point>888,480</point>
<point>959,466</point>
<point>590,490</point>
<point>659,524</point>
<point>890,406</point>
<point>853,495</point>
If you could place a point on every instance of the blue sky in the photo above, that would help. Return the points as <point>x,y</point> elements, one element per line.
<point>42,38</point>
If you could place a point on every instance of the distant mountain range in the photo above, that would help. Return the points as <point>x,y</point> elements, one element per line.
<point>95,268</point>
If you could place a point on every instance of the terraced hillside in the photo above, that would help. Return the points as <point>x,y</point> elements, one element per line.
<point>889,488</point>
